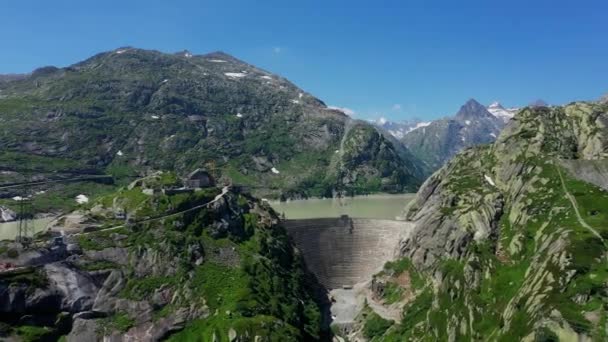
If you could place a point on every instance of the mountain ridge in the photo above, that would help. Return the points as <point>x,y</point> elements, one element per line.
<point>438,141</point>
<point>135,111</point>
<point>509,241</point>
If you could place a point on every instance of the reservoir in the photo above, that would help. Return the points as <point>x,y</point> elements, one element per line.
<point>380,206</point>
<point>9,230</point>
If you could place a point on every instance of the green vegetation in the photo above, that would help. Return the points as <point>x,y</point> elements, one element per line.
<point>539,260</point>
<point>101,239</point>
<point>98,265</point>
<point>119,322</point>
<point>392,293</point>
<point>81,120</point>
<point>260,290</point>
<point>38,163</point>
<point>399,266</point>
<point>31,277</point>
<point>33,333</point>
<point>375,326</point>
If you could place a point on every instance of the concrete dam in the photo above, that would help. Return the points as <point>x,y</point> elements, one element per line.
<point>344,251</point>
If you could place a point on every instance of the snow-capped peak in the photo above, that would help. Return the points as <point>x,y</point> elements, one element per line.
<point>500,112</point>
<point>382,121</point>
<point>495,105</point>
<point>418,125</point>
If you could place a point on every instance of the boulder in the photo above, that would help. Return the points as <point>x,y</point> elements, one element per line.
<point>77,289</point>
<point>7,215</point>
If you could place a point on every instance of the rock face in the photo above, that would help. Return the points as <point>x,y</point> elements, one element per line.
<point>512,235</point>
<point>7,215</point>
<point>136,111</point>
<point>371,160</point>
<point>440,140</point>
<point>192,264</point>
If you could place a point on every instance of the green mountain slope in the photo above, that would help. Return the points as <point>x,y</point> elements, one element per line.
<point>509,244</point>
<point>132,111</point>
<point>210,265</point>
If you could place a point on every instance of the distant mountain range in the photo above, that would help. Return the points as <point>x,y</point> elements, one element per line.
<point>399,129</point>
<point>12,77</point>
<point>499,111</point>
<point>435,142</point>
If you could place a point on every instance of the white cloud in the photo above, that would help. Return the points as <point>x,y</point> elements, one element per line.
<point>397,107</point>
<point>344,110</point>
<point>277,49</point>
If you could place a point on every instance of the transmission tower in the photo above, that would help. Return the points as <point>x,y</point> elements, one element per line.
<point>25,214</point>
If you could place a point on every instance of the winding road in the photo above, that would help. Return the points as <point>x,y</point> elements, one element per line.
<point>575,206</point>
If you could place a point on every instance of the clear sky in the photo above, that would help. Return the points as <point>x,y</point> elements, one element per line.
<point>399,59</point>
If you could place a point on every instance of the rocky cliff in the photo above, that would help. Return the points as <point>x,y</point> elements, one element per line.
<point>510,238</point>
<point>210,265</point>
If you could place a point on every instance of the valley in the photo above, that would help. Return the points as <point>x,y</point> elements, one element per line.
<point>184,197</point>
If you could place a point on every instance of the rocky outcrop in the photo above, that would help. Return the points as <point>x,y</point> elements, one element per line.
<point>591,171</point>
<point>58,288</point>
<point>7,215</point>
<point>77,289</point>
<point>369,160</point>
<point>208,258</point>
<point>511,232</point>
<point>446,233</point>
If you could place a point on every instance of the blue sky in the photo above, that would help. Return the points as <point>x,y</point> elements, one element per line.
<point>399,59</point>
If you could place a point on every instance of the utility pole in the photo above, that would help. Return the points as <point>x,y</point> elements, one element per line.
<point>25,213</point>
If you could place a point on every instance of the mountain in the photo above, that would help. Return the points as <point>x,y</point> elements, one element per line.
<point>210,265</point>
<point>130,112</point>
<point>499,111</point>
<point>539,103</point>
<point>12,77</point>
<point>437,142</point>
<point>509,242</point>
<point>399,129</point>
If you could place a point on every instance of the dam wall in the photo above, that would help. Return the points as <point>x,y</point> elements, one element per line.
<point>345,251</point>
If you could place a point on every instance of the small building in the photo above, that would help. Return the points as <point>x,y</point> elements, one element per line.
<point>199,178</point>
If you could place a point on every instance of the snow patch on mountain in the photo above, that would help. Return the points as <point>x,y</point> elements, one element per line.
<point>344,110</point>
<point>418,125</point>
<point>82,199</point>
<point>489,180</point>
<point>398,129</point>
<point>500,112</point>
<point>235,74</point>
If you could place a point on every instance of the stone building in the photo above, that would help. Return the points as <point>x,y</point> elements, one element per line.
<point>199,178</point>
